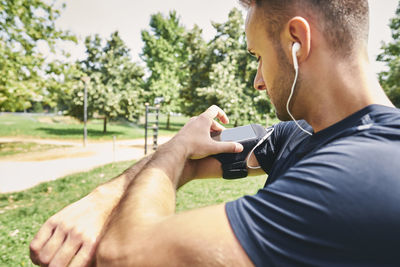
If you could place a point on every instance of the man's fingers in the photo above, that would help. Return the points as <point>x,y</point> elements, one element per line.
<point>40,239</point>
<point>65,254</point>
<point>216,112</point>
<point>84,256</point>
<point>215,126</point>
<point>52,246</point>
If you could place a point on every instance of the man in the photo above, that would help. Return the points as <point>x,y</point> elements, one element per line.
<point>331,198</point>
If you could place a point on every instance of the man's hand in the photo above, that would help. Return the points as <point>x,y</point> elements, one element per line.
<point>195,135</point>
<point>71,235</point>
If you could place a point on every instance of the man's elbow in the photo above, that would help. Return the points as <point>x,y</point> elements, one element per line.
<point>111,253</point>
<point>107,254</point>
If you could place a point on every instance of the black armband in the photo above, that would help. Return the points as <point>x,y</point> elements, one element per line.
<point>234,165</point>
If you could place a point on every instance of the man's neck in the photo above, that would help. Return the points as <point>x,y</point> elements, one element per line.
<point>341,90</point>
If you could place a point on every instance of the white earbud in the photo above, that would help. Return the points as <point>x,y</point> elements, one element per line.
<point>296,47</point>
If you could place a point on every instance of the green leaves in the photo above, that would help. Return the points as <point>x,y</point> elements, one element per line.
<point>192,74</point>
<point>165,56</point>
<point>188,72</point>
<point>222,72</point>
<point>390,79</point>
<point>116,85</point>
<point>23,23</point>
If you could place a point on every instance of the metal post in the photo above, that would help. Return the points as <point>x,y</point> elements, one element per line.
<point>155,133</point>
<point>145,128</point>
<point>85,117</point>
<point>157,114</point>
<point>85,79</point>
<point>155,129</point>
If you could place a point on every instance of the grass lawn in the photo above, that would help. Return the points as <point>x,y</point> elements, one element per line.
<point>59,127</point>
<point>22,213</point>
<point>13,148</point>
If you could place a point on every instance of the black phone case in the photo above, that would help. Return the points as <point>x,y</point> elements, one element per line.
<point>234,164</point>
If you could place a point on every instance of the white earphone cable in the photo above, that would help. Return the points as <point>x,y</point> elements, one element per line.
<point>265,137</point>
<point>296,68</point>
<point>271,130</point>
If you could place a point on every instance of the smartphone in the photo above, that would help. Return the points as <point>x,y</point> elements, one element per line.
<point>241,134</point>
<point>234,165</point>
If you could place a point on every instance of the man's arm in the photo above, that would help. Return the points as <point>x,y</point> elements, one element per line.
<point>71,235</point>
<point>143,229</point>
<point>211,168</point>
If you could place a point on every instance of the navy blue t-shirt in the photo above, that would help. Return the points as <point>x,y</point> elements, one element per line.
<point>331,199</point>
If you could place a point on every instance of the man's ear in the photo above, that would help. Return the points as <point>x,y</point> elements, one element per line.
<point>298,30</point>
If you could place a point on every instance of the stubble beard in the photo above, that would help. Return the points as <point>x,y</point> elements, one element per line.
<point>282,86</point>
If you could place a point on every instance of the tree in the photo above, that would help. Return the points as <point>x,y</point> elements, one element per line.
<point>225,77</point>
<point>390,79</point>
<point>23,25</point>
<point>165,57</point>
<point>197,73</point>
<point>62,82</point>
<point>115,88</point>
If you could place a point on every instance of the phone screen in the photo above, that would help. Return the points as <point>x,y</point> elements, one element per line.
<point>236,134</point>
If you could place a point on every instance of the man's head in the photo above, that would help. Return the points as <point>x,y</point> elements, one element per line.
<point>339,27</point>
<point>345,22</point>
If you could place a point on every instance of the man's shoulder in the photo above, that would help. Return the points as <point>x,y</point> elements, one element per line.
<point>363,155</point>
<point>364,147</point>
<point>289,127</point>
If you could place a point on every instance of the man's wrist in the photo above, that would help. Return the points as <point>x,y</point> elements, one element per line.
<point>175,149</point>
<point>170,158</point>
<point>179,147</point>
<point>108,194</point>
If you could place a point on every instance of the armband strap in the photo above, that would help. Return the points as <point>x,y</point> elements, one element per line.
<point>234,165</point>
<point>235,170</point>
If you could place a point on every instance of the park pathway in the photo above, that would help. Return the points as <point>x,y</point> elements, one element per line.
<point>23,171</point>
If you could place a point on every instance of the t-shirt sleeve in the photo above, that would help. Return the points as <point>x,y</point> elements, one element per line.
<point>327,210</point>
<point>274,147</point>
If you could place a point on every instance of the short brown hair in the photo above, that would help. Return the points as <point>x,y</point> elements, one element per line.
<point>345,22</point>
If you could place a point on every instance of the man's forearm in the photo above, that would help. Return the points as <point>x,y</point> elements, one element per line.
<point>153,189</point>
<point>149,198</point>
<point>115,188</point>
<point>149,201</point>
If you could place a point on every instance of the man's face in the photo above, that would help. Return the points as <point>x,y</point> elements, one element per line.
<point>275,73</point>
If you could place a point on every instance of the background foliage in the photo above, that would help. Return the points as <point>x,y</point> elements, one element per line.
<point>24,25</point>
<point>390,79</point>
<point>189,72</point>
<point>115,86</point>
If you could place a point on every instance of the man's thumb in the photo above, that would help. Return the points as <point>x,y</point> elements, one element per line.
<point>229,147</point>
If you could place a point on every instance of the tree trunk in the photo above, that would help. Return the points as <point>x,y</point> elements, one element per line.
<point>168,120</point>
<point>105,124</point>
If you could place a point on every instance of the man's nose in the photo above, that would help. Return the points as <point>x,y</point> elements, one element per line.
<point>259,83</point>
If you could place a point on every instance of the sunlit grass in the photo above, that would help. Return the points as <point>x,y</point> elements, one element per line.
<point>58,127</point>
